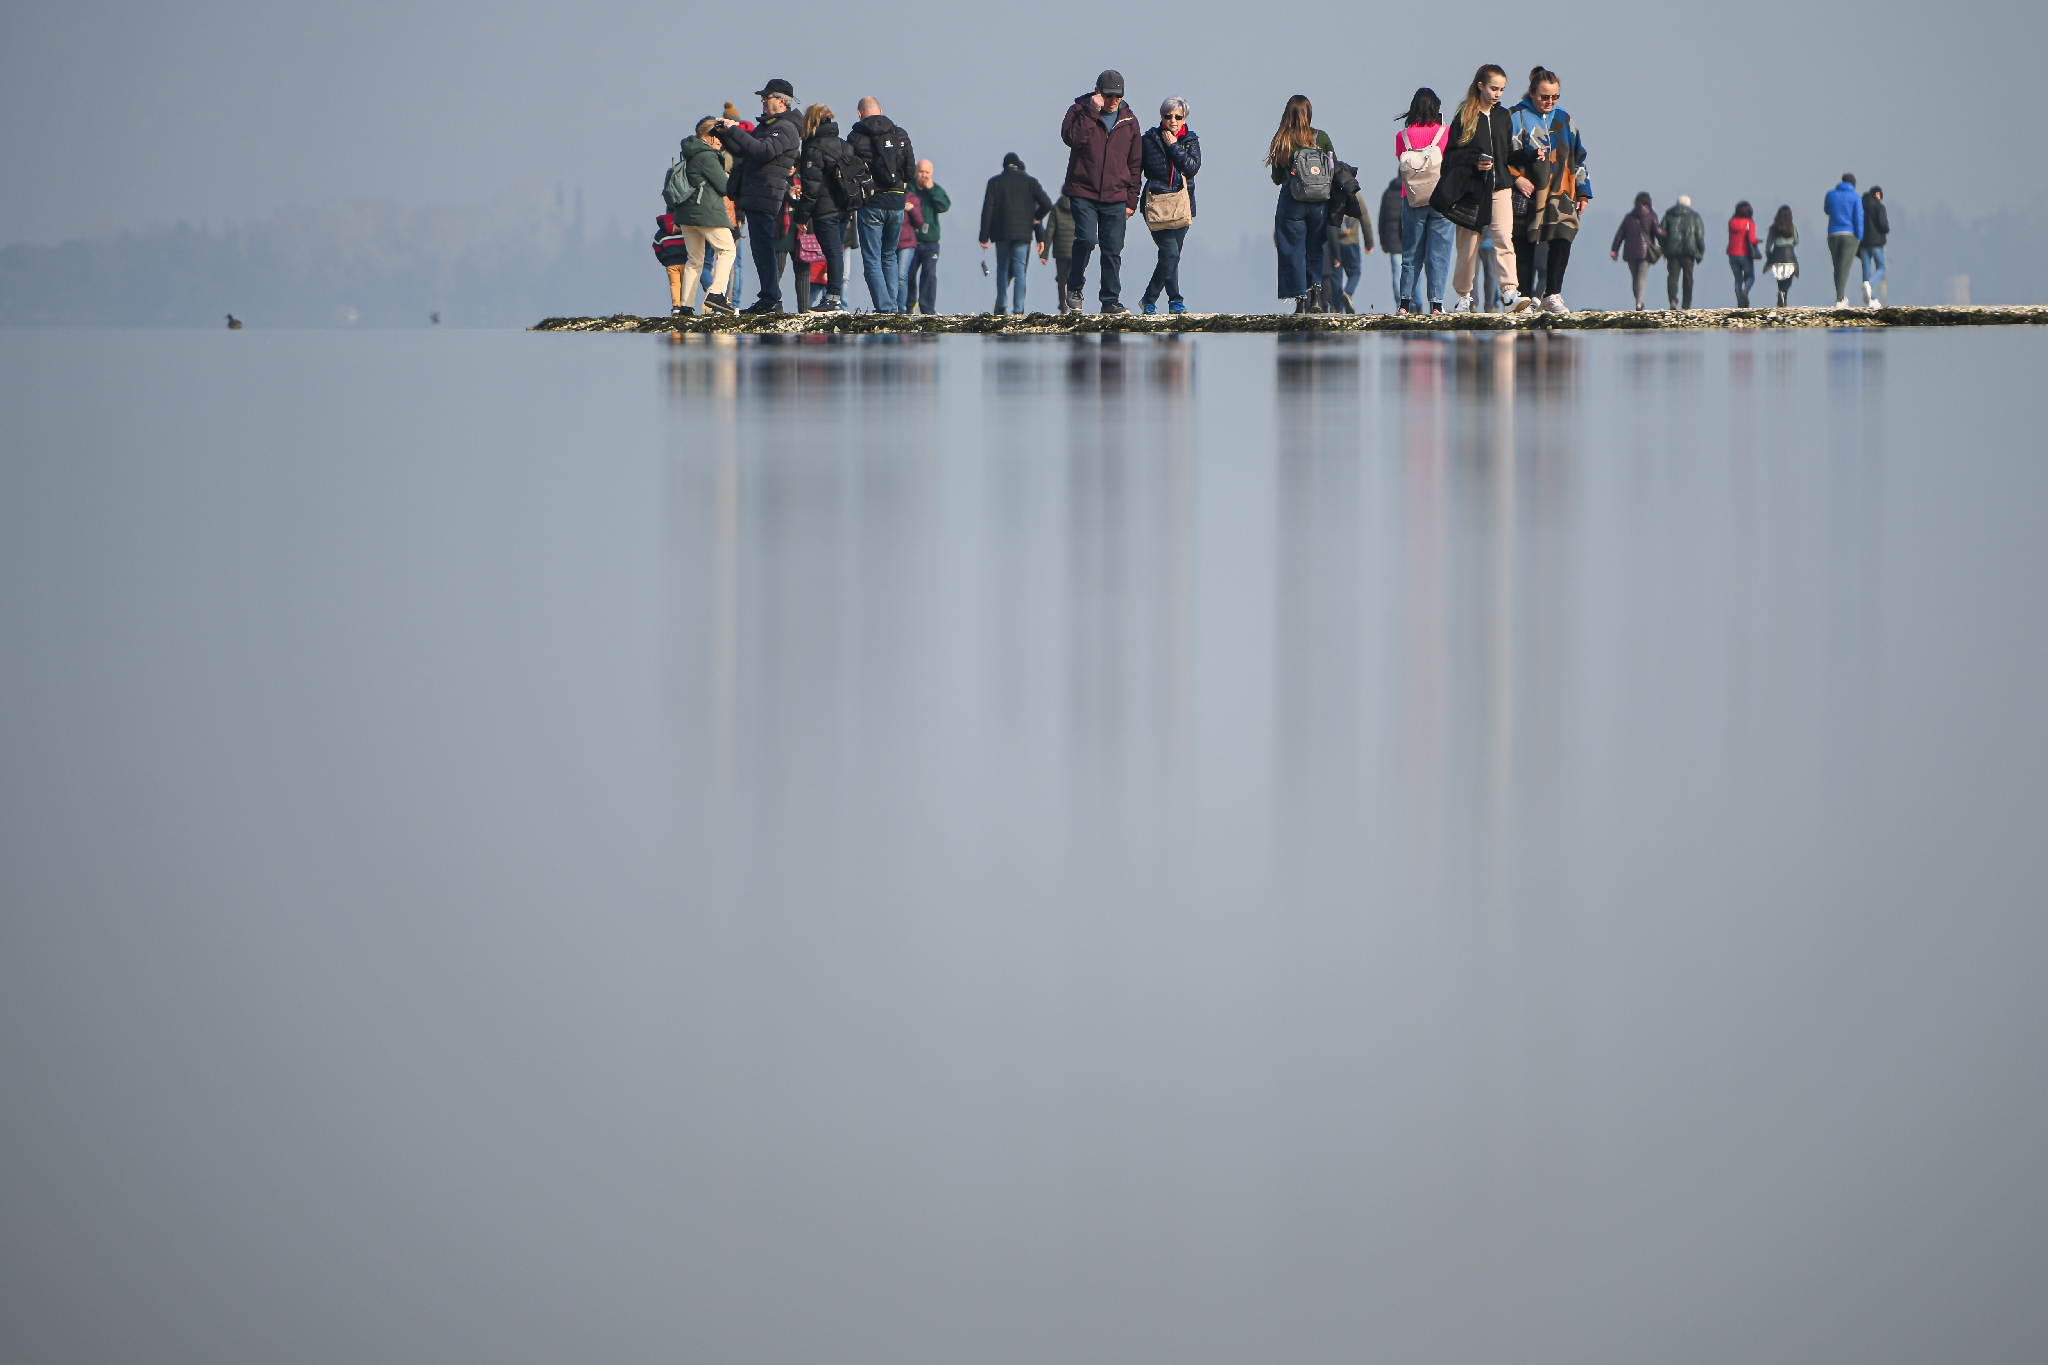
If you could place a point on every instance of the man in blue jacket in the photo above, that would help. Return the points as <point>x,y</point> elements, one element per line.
<point>1845,233</point>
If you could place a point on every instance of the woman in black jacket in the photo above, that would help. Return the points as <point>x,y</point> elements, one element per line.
<point>818,207</point>
<point>1173,157</point>
<point>1482,163</point>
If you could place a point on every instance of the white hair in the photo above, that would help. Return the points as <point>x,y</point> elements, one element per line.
<point>1171,103</point>
<point>1685,201</point>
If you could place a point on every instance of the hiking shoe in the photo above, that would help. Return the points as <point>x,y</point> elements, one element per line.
<point>1150,308</point>
<point>1512,302</point>
<point>1176,307</point>
<point>1112,308</point>
<point>1074,302</point>
<point>718,303</point>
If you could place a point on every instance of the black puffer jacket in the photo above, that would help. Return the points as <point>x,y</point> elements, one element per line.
<point>1171,168</point>
<point>873,138</point>
<point>825,150</point>
<point>1493,135</point>
<point>767,158</point>
<point>1014,207</point>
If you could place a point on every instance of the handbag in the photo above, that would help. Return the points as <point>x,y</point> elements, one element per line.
<point>1174,208</point>
<point>808,248</point>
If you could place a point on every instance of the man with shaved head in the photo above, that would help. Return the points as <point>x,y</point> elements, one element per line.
<point>885,150</point>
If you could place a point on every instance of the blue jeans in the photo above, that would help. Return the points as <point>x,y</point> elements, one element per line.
<point>921,279</point>
<point>1299,233</point>
<point>1351,256</point>
<point>1873,265</point>
<point>1394,259</point>
<point>880,230</point>
<point>761,230</point>
<point>1098,224</point>
<point>1745,275</point>
<point>831,234</point>
<point>1166,275</point>
<point>1426,241</point>
<point>1011,258</point>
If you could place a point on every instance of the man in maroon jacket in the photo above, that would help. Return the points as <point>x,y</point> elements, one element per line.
<point>1105,172</point>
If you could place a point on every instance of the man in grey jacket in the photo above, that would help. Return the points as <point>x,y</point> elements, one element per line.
<point>1685,246</point>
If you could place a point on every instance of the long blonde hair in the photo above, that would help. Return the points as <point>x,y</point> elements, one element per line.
<point>813,116</point>
<point>1297,130</point>
<point>1475,100</point>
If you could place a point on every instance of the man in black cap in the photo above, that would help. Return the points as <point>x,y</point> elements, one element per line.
<point>1105,175</point>
<point>767,158</point>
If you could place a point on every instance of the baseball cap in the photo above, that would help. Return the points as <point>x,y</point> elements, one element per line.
<point>1110,83</point>
<point>778,86</point>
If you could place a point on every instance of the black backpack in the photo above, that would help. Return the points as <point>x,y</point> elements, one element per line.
<point>892,166</point>
<point>852,186</point>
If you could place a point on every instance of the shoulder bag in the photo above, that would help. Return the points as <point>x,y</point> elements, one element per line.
<point>1165,212</point>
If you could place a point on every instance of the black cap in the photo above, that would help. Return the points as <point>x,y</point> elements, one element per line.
<point>1110,83</point>
<point>778,86</point>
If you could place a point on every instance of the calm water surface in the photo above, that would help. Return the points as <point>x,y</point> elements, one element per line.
<point>1144,852</point>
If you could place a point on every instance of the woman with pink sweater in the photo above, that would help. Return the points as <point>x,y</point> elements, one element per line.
<point>1426,237</point>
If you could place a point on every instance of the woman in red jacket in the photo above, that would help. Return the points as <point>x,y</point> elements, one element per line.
<point>1743,251</point>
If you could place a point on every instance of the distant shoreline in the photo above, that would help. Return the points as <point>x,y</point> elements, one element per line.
<point>1053,324</point>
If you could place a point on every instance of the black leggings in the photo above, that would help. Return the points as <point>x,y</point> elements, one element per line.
<point>1556,257</point>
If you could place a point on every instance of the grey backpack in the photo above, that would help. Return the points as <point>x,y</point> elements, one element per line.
<point>1313,167</point>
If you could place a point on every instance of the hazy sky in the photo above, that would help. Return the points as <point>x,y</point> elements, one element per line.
<point>122,113</point>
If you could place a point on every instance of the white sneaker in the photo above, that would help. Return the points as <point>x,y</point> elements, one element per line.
<point>1841,303</point>
<point>1511,302</point>
<point>1868,301</point>
<point>1463,305</point>
<point>1554,303</point>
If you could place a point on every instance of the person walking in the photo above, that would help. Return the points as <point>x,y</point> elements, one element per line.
<point>1845,233</point>
<point>1639,241</point>
<point>767,156</point>
<point>1877,227</point>
<point>1744,251</point>
<point>1172,156</point>
<point>1344,246</point>
<point>1779,256</point>
<point>1390,232</point>
<point>696,224</point>
<point>1013,213</point>
<point>1544,233</point>
<point>885,150</point>
<point>921,286</point>
<point>906,245</point>
<point>1685,246</point>
<point>1105,178</point>
<point>1483,169</point>
<point>1425,233</point>
<point>1303,163</point>
<point>830,176</point>
<point>1059,239</point>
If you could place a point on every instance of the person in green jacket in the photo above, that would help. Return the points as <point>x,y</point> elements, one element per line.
<point>921,275</point>
<point>696,197</point>
<point>1685,246</point>
<point>1059,242</point>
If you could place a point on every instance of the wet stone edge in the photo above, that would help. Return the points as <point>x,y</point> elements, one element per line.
<point>1053,324</point>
